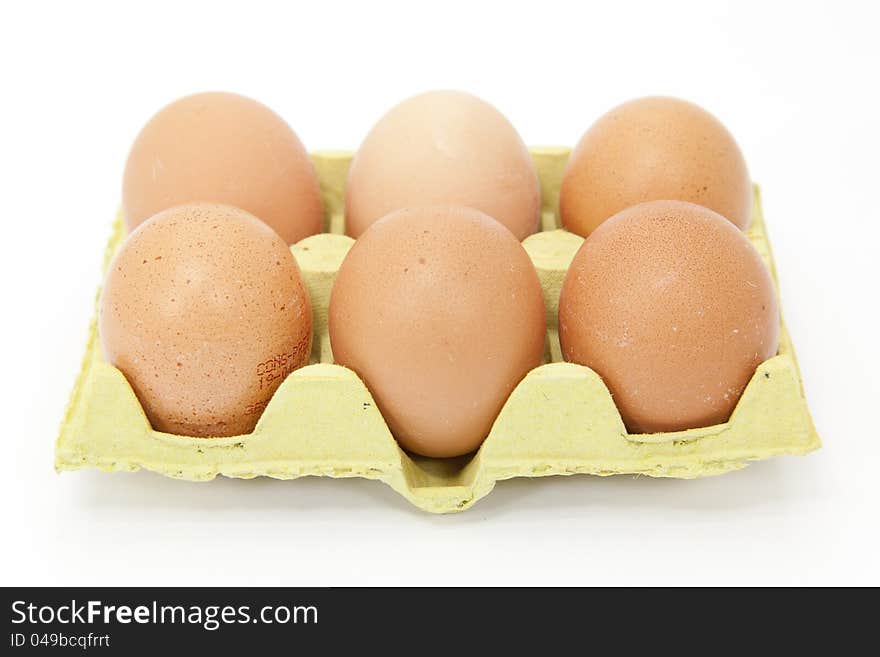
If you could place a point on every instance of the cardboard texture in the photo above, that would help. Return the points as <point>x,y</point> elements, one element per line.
<point>322,421</point>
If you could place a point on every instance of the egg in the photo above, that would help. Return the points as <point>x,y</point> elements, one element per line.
<point>204,311</point>
<point>673,307</point>
<point>439,310</point>
<point>654,149</point>
<point>443,148</point>
<point>223,148</point>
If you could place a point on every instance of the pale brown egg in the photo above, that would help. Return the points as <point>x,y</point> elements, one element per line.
<point>653,149</point>
<point>223,148</point>
<point>673,307</point>
<point>205,313</point>
<point>443,148</point>
<point>440,312</point>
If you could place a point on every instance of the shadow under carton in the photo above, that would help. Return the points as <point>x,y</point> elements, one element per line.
<point>323,421</point>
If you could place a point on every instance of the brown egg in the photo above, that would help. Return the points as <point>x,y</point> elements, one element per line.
<point>653,149</point>
<point>204,312</point>
<point>440,312</point>
<point>673,307</point>
<point>443,148</point>
<point>223,148</point>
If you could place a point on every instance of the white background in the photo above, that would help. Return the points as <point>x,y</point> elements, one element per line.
<point>797,83</point>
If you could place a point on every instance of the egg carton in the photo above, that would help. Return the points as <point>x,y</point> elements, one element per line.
<point>322,420</point>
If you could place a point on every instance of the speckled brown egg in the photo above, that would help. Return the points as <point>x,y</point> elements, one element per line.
<point>673,307</point>
<point>653,149</point>
<point>223,148</point>
<point>205,313</point>
<point>439,310</point>
<point>443,148</point>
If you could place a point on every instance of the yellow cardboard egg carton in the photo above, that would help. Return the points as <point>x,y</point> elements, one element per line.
<point>561,418</point>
